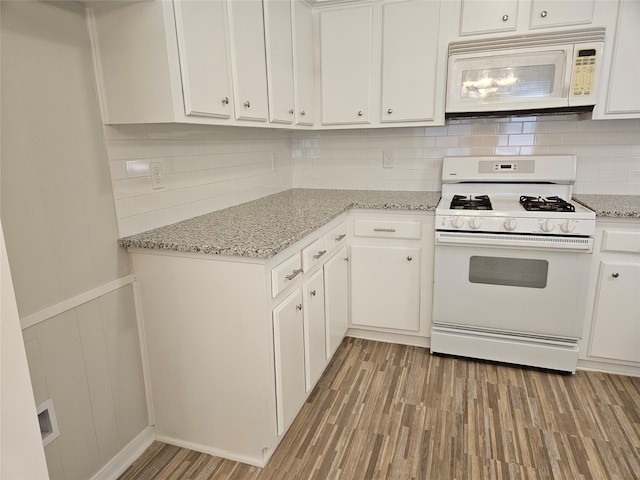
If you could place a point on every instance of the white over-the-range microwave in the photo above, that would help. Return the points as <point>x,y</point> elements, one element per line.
<point>557,71</point>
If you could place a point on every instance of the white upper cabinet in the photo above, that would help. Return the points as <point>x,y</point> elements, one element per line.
<point>249,69</point>
<point>345,59</point>
<point>497,16</point>
<point>409,57</point>
<point>621,98</point>
<point>486,16</point>
<point>201,28</point>
<point>558,13</point>
<point>303,70</point>
<point>279,49</point>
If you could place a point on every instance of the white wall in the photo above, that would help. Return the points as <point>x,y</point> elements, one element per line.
<point>608,152</point>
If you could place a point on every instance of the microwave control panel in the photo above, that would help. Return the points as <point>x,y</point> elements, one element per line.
<point>584,73</point>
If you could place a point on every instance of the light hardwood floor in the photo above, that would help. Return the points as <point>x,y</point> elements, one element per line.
<point>384,411</point>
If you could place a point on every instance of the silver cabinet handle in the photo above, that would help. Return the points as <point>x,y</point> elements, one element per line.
<point>319,254</point>
<point>390,111</point>
<point>409,258</point>
<point>303,113</point>
<point>360,113</point>
<point>505,18</point>
<point>340,237</point>
<point>293,274</point>
<point>389,230</point>
<point>312,293</point>
<point>299,307</point>
<point>615,274</point>
<point>291,112</point>
<point>225,101</point>
<point>247,104</point>
<point>346,259</point>
<point>543,13</point>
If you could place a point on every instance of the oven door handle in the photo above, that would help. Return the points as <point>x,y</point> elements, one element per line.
<point>538,242</point>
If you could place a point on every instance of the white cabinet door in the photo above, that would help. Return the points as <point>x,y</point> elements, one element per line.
<point>314,328</point>
<point>303,70</point>
<point>557,13</point>
<point>288,338</point>
<point>623,100</point>
<point>336,300</point>
<point>487,16</point>
<point>385,287</point>
<point>279,48</point>
<point>201,29</point>
<point>409,58</point>
<point>248,59</point>
<point>616,331</point>
<point>345,58</point>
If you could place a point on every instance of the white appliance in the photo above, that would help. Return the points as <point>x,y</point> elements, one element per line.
<point>538,72</point>
<point>512,260</point>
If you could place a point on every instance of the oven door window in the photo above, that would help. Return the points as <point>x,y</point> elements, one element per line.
<point>515,272</point>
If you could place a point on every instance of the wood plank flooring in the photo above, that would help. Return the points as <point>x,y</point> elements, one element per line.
<point>384,411</point>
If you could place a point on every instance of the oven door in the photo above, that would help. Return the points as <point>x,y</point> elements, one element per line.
<point>525,285</point>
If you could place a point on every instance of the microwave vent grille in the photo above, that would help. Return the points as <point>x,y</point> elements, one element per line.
<point>585,35</point>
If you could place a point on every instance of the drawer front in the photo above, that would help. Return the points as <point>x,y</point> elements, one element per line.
<point>313,254</point>
<point>337,237</point>
<point>387,229</point>
<point>619,241</point>
<point>285,273</point>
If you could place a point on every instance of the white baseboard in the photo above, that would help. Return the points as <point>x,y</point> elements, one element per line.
<point>413,340</point>
<point>609,367</point>
<point>255,461</point>
<point>129,454</point>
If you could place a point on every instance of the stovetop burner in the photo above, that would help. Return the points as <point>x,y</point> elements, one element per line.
<point>478,202</point>
<point>548,204</point>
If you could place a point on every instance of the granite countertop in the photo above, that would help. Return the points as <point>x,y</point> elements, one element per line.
<point>616,206</point>
<point>264,227</point>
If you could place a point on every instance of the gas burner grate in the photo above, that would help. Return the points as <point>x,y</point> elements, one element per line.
<point>464,202</point>
<point>548,204</point>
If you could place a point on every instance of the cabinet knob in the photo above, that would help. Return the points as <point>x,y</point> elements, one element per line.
<point>299,307</point>
<point>303,113</point>
<point>543,13</point>
<point>505,18</point>
<point>360,113</point>
<point>247,104</point>
<point>615,274</point>
<point>390,111</point>
<point>409,258</point>
<point>346,259</point>
<point>312,293</point>
<point>225,101</point>
<point>291,112</point>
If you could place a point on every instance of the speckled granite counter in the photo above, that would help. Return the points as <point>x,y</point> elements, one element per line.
<point>616,206</point>
<point>264,227</point>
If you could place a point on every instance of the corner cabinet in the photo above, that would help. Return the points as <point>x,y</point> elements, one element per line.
<point>382,63</point>
<point>612,328</point>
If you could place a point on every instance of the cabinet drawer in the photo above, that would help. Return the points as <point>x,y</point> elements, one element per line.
<point>336,237</point>
<point>313,254</point>
<point>619,241</point>
<point>386,229</point>
<point>283,274</point>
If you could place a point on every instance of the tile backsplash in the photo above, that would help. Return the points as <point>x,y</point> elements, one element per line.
<point>207,168</point>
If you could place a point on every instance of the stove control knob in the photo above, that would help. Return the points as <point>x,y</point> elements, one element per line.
<point>547,226</point>
<point>568,226</point>
<point>475,223</point>
<point>457,222</point>
<point>510,224</point>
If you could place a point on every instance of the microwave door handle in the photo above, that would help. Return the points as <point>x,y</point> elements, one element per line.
<point>568,69</point>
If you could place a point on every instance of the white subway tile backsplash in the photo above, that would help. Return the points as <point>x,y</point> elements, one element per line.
<point>208,168</point>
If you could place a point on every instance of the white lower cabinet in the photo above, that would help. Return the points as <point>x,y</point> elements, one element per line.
<point>385,287</point>
<point>336,299</point>
<point>314,328</point>
<point>288,340</point>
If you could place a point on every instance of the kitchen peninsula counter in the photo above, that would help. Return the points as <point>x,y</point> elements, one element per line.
<point>264,227</point>
<point>611,206</point>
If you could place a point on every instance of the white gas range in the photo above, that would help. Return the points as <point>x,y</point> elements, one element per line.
<point>512,261</point>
